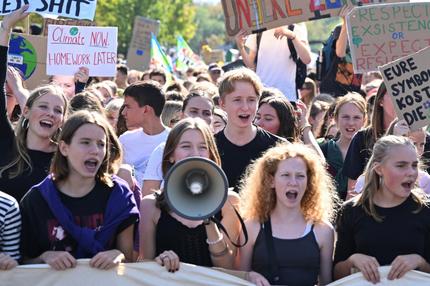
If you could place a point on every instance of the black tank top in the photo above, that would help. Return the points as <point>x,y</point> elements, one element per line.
<point>298,259</point>
<point>188,243</point>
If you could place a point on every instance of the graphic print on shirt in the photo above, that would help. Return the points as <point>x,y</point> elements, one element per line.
<point>60,240</point>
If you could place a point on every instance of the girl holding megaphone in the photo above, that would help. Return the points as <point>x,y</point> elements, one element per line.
<point>169,238</point>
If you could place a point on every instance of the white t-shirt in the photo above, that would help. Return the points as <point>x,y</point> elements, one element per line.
<point>275,67</point>
<point>423,182</point>
<point>153,170</point>
<point>138,146</point>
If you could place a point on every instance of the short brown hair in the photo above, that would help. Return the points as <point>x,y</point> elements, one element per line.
<point>227,81</point>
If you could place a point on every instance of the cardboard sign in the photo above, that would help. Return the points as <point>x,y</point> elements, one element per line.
<point>27,53</point>
<point>408,82</point>
<point>71,47</point>
<point>78,9</point>
<point>69,22</point>
<point>139,51</point>
<point>383,33</point>
<point>213,56</point>
<point>259,15</point>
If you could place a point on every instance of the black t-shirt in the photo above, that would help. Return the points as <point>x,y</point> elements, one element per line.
<point>17,187</point>
<point>40,161</point>
<point>357,156</point>
<point>236,158</point>
<point>42,232</point>
<point>402,231</point>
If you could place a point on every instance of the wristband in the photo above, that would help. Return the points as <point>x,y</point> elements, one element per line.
<point>216,241</point>
<point>307,125</point>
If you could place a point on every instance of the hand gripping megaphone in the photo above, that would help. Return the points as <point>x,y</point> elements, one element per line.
<point>195,188</point>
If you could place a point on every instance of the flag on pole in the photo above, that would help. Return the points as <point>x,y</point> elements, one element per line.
<point>185,56</point>
<point>158,57</point>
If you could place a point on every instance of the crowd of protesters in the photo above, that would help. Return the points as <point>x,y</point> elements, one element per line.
<point>326,177</point>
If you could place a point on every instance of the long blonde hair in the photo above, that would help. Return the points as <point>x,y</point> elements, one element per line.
<point>22,161</point>
<point>372,181</point>
<point>258,199</point>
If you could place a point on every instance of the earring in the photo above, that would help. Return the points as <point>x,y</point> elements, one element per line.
<point>381,181</point>
<point>24,123</point>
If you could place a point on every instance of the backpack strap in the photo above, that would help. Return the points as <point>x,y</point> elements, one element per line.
<point>291,45</point>
<point>258,38</point>
<point>273,261</point>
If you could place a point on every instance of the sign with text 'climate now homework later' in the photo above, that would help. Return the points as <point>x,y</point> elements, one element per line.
<point>71,47</point>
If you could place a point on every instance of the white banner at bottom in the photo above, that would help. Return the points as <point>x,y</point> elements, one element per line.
<point>128,274</point>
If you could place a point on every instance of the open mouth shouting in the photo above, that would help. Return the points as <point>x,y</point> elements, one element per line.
<point>408,185</point>
<point>291,195</point>
<point>48,124</point>
<point>245,117</point>
<point>91,165</point>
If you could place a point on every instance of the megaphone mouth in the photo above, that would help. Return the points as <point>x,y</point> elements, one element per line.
<point>197,181</point>
<point>195,188</point>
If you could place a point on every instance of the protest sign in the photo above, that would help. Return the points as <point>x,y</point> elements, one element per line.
<point>260,15</point>
<point>383,33</point>
<point>69,22</point>
<point>71,47</point>
<point>408,82</point>
<point>27,53</point>
<point>139,51</point>
<point>78,9</point>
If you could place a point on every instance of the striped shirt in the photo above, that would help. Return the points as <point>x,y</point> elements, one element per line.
<point>10,226</point>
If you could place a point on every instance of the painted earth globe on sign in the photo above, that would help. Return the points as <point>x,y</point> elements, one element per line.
<point>22,55</point>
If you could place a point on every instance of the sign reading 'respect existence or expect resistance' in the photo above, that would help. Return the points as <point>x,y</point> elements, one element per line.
<point>71,47</point>
<point>380,34</point>
<point>78,9</point>
<point>259,15</point>
<point>408,82</point>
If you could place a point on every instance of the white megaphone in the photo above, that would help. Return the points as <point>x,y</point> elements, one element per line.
<point>195,188</point>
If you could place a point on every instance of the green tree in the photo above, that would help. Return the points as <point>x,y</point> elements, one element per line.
<point>210,27</point>
<point>176,17</point>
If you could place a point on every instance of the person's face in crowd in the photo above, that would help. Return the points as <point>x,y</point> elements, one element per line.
<point>215,75</point>
<point>332,131</point>
<point>192,143</point>
<point>306,95</point>
<point>389,112</point>
<point>240,105</point>
<point>133,76</point>
<point>419,139</point>
<point>399,171</point>
<point>105,94</point>
<point>349,121</point>
<point>45,116</point>
<point>218,124</point>
<point>267,118</point>
<point>86,151</point>
<point>112,117</point>
<point>67,82</point>
<point>10,100</point>
<point>159,79</point>
<point>120,78</point>
<point>175,119</point>
<point>290,182</point>
<point>199,107</point>
<point>317,123</point>
<point>132,112</point>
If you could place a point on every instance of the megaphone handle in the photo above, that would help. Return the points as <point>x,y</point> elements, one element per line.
<point>224,230</point>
